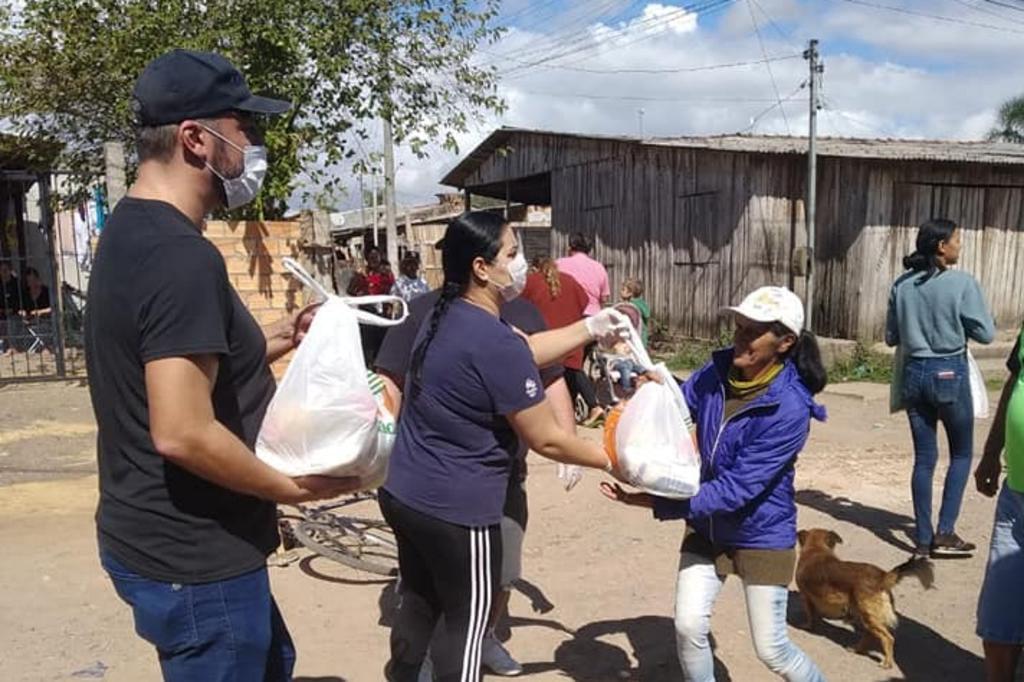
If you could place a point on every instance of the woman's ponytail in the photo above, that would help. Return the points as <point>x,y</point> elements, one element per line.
<point>930,236</point>
<point>807,358</point>
<point>449,292</point>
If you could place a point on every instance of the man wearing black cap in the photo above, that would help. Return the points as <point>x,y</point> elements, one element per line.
<point>179,379</point>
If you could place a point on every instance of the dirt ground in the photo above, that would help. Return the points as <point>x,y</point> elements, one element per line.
<point>607,571</point>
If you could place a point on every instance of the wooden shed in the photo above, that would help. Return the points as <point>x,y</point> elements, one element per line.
<point>703,220</point>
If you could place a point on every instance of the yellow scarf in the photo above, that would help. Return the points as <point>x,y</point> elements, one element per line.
<point>740,388</point>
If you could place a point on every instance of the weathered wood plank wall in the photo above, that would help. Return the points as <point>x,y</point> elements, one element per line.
<point>704,227</point>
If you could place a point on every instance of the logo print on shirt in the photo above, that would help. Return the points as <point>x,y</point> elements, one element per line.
<point>531,388</point>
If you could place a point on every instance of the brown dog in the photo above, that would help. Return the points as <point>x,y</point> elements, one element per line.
<point>855,592</point>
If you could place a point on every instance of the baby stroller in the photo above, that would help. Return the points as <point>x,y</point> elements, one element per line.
<point>614,371</point>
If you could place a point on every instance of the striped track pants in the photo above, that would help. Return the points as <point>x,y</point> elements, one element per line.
<point>449,573</point>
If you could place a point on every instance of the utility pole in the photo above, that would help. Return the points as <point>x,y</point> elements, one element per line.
<point>376,210</point>
<point>389,194</point>
<point>362,197</point>
<point>816,69</point>
<point>640,119</point>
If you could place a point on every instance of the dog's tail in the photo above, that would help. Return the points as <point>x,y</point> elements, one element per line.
<point>919,568</point>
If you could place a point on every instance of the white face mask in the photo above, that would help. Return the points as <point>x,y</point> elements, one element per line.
<point>517,269</point>
<point>240,190</point>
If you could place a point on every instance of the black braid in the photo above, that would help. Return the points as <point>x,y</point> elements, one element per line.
<point>449,292</point>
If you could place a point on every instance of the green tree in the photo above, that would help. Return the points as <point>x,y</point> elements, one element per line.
<point>1010,127</point>
<point>67,68</point>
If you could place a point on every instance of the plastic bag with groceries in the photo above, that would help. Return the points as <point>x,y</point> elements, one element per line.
<point>650,436</point>
<point>330,415</point>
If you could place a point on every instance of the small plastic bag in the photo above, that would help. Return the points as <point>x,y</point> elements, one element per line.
<point>979,393</point>
<point>569,475</point>
<point>330,416</point>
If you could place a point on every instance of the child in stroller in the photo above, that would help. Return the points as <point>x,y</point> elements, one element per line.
<point>617,367</point>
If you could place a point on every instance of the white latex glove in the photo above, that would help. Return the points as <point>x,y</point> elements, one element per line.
<point>569,475</point>
<point>608,327</point>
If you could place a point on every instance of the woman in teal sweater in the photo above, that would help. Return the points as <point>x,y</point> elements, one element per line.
<point>933,311</point>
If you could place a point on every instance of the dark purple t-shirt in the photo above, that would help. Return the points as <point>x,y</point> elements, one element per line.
<point>454,448</point>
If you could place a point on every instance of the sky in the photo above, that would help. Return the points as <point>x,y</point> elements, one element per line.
<point>890,71</point>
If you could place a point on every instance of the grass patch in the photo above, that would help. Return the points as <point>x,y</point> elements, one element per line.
<point>863,365</point>
<point>689,355</point>
<point>995,384</point>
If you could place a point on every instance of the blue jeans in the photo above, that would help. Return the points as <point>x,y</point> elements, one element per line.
<point>1001,602</point>
<point>938,390</point>
<point>214,632</point>
<point>696,590</point>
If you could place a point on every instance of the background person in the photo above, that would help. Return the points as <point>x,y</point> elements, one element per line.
<point>753,405</point>
<point>409,284</point>
<point>933,311</point>
<point>562,302</point>
<point>179,382</point>
<point>590,273</point>
<point>632,292</point>
<point>1001,602</point>
<point>473,393</point>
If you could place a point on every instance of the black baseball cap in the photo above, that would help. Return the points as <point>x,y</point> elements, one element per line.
<point>185,84</point>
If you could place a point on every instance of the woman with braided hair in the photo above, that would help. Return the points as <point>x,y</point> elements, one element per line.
<point>473,390</point>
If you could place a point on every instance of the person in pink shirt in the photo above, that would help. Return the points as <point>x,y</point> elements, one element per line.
<point>590,274</point>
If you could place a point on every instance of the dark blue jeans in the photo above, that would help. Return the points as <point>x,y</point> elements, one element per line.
<point>214,632</point>
<point>938,390</point>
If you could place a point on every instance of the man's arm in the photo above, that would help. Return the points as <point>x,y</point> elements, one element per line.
<point>986,475</point>
<point>185,431</point>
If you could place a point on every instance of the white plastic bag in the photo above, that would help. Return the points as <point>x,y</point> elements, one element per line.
<point>329,415</point>
<point>896,382</point>
<point>652,437</point>
<point>979,393</point>
<point>569,475</point>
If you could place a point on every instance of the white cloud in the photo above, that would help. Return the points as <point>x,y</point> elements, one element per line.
<point>886,74</point>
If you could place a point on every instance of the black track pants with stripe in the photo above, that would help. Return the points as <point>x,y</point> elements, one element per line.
<point>448,573</point>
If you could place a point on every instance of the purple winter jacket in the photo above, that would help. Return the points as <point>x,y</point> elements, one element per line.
<point>746,498</point>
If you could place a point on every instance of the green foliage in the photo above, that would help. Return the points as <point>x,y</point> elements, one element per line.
<point>1010,127</point>
<point>690,354</point>
<point>67,68</point>
<point>863,365</point>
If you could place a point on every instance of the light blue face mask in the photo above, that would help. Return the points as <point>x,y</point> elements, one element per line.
<point>240,190</point>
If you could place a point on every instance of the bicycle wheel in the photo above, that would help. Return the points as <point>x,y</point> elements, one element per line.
<point>363,544</point>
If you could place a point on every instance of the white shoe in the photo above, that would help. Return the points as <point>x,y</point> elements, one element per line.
<point>496,658</point>
<point>426,670</point>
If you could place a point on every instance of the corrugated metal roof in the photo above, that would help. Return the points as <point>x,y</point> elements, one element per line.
<point>956,151</point>
<point>895,149</point>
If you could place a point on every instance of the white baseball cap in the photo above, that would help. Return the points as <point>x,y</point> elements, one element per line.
<point>773,304</point>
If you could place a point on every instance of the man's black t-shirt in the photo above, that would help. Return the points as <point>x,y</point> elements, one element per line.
<point>157,290</point>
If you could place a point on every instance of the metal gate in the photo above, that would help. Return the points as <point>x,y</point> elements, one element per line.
<point>46,247</point>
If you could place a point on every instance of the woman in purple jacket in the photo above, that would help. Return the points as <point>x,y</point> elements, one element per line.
<point>753,407</point>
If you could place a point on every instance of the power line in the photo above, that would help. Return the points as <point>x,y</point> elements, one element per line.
<point>1007,5</point>
<point>989,12</point>
<point>768,66</point>
<point>580,45</point>
<point>684,69</point>
<point>660,27</point>
<point>554,41</point>
<point>936,17</point>
<point>642,98</point>
<point>785,35</point>
<point>772,107</point>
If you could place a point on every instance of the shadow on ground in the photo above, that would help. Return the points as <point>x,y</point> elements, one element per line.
<point>587,658</point>
<point>889,527</point>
